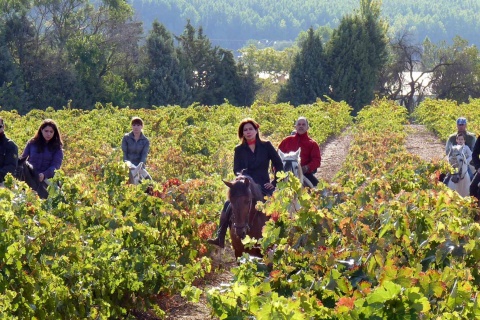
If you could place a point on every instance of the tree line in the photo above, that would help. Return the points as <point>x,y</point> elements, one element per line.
<point>230,23</point>
<point>74,53</point>
<point>71,53</point>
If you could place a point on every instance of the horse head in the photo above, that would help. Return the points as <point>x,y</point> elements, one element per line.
<point>291,163</point>
<point>459,180</point>
<point>458,161</point>
<point>243,194</point>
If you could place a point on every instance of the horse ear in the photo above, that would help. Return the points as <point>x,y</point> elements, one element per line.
<point>247,182</point>
<point>298,152</point>
<point>228,183</point>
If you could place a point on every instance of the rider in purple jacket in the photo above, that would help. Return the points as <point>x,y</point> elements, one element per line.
<point>44,155</point>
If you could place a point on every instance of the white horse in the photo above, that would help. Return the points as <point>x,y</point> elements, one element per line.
<point>460,179</point>
<point>291,163</point>
<point>137,173</point>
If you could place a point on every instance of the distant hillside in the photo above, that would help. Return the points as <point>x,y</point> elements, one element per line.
<point>230,23</point>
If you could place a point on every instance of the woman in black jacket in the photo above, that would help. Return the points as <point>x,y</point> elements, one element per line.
<point>8,154</point>
<point>252,158</point>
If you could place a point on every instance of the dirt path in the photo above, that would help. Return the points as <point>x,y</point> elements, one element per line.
<point>334,152</point>
<point>222,261</point>
<point>420,142</point>
<point>424,143</point>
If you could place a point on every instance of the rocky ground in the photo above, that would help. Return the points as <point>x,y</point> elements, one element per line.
<point>424,143</point>
<point>334,152</point>
<point>419,141</point>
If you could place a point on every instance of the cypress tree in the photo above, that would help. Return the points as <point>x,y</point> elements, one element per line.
<point>212,73</point>
<point>247,87</point>
<point>308,79</point>
<point>12,95</point>
<point>356,53</point>
<point>197,59</point>
<point>166,81</point>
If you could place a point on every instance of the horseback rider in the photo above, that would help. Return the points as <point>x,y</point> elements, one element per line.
<point>44,154</point>
<point>310,155</point>
<point>474,188</point>
<point>252,157</point>
<point>470,138</point>
<point>135,147</point>
<point>461,138</point>
<point>8,154</point>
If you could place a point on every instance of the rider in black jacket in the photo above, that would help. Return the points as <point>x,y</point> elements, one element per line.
<point>252,158</point>
<point>8,153</point>
<point>476,163</point>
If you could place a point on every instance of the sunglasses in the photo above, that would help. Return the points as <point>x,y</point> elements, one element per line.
<point>1,126</point>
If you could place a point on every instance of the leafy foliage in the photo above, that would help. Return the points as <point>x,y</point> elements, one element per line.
<point>308,76</point>
<point>440,115</point>
<point>386,241</point>
<point>230,22</point>
<point>99,248</point>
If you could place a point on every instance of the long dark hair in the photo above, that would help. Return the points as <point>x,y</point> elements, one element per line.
<point>254,124</point>
<point>54,144</point>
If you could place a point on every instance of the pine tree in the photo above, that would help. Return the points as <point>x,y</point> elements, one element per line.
<point>308,79</point>
<point>166,81</point>
<point>12,96</point>
<point>246,90</point>
<point>212,73</point>
<point>197,60</point>
<point>356,53</point>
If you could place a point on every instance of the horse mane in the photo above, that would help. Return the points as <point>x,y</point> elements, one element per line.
<point>240,189</point>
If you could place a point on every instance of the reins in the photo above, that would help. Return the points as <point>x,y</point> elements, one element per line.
<point>247,226</point>
<point>460,172</point>
<point>289,164</point>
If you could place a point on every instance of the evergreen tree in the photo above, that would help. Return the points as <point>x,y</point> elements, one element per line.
<point>357,52</point>
<point>308,78</point>
<point>198,62</point>
<point>211,72</point>
<point>166,81</point>
<point>247,88</point>
<point>225,79</point>
<point>12,96</point>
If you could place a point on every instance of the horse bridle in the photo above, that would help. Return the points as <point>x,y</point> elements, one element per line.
<point>247,226</point>
<point>461,175</point>
<point>460,170</point>
<point>290,161</point>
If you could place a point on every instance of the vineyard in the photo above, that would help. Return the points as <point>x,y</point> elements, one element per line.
<point>385,240</point>
<point>99,248</point>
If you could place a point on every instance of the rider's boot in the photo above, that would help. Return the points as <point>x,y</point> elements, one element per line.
<point>222,229</point>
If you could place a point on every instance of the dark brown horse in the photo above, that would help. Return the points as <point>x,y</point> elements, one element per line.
<point>243,194</point>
